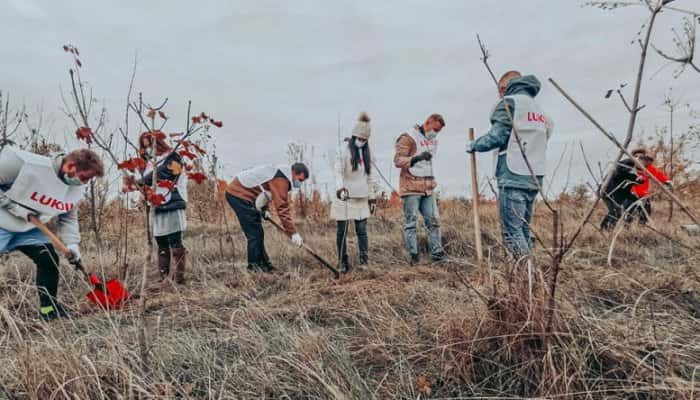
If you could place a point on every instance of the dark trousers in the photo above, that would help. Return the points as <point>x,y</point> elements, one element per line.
<point>640,210</point>
<point>46,260</point>
<point>362,241</point>
<point>171,241</point>
<point>616,206</point>
<point>251,224</point>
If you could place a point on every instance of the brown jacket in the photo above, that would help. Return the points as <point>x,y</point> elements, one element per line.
<point>408,184</point>
<point>279,187</point>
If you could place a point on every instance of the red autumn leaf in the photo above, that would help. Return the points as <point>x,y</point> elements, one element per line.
<point>151,113</point>
<point>175,134</point>
<point>158,135</point>
<point>217,124</point>
<point>166,184</point>
<point>132,164</point>
<point>162,115</point>
<point>197,177</point>
<point>84,133</point>
<point>188,154</point>
<point>185,143</point>
<point>196,120</point>
<point>156,199</point>
<point>78,62</point>
<point>203,115</point>
<point>188,167</point>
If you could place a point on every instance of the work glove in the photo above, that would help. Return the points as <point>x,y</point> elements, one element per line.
<point>73,255</point>
<point>372,206</point>
<point>342,194</point>
<point>470,146</point>
<point>424,156</point>
<point>297,240</point>
<point>262,200</point>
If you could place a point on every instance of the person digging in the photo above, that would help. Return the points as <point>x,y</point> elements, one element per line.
<point>251,192</point>
<point>44,187</point>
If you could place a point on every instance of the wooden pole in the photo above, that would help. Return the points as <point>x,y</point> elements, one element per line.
<point>475,211</point>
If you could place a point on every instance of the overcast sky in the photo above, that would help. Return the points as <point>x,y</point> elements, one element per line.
<point>277,71</point>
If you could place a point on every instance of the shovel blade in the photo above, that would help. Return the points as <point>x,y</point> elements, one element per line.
<point>113,297</point>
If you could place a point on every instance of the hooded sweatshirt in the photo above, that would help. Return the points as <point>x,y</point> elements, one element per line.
<point>501,128</point>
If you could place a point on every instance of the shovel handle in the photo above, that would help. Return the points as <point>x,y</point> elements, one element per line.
<point>308,250</point>
<point>475,210</point>
<point>57,243</point>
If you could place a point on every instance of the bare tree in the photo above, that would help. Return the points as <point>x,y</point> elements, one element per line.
<point>10,121</point>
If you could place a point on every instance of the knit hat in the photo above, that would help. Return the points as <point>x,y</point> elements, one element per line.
<point>362,128</point>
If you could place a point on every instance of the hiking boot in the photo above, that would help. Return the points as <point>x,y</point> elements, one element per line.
<point>52,312</point>
<point>415,260</point>
<point>179,255</point>
<point>267,264</point>
<point>363,264</point>
<point>439,257</point>
<point>344,265</point>
<point>164,263</point>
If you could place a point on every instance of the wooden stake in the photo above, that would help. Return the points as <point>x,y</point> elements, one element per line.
<point>475,211</point>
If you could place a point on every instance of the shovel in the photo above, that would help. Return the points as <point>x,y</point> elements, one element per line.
<point>110,295</point>
<point>308,250</point>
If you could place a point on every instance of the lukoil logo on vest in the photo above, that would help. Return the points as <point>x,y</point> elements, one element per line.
<point>49,201</point>
<point>536,117</point>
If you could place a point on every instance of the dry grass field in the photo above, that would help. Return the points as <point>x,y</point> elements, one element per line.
<point>629,330</point>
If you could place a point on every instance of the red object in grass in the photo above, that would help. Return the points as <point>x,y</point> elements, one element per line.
<point>112,297</point>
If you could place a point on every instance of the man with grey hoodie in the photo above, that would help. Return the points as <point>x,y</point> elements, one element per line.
<point>517,113</point>
<point>46,188</point>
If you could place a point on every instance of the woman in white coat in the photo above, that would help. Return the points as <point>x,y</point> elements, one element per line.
<point>356,192</point>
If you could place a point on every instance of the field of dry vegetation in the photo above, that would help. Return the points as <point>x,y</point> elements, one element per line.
<point>628,330</point>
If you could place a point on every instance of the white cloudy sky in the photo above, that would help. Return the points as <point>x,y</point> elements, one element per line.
<point>277,71</point>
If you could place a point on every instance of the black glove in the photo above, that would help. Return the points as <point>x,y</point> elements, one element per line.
<point>342,194</point>
<point>424,156</point>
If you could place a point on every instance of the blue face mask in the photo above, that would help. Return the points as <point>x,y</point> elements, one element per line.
<point>72,181</point>
<point>296,184</point>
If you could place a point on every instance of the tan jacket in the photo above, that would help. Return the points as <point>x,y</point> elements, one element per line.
<point>279,187</point>
<point>405,149</point>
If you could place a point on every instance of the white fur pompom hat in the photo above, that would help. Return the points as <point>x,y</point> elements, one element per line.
<point>362,128</point>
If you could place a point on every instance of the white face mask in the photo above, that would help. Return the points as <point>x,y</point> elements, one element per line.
<point>360,144</point>
<point>430,135</point>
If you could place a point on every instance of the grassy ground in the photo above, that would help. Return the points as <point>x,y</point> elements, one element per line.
<point>629,330</point>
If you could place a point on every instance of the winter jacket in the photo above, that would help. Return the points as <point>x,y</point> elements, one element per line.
<point>642,189</point>
<point>169,169</point>
<point>405,149</point>
<point>279,186</point>
<point>358,183</point>
<point>620,186</point>
<point>499,134</point>
<point>10,166</point>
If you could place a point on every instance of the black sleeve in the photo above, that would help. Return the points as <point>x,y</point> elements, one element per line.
<point>163,171</point>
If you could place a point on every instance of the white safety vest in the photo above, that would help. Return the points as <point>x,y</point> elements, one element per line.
<point>423,168</point>
<point>38,188</point>
<point>180,185</point>
<point>256,176</point>
<point>532,127</point>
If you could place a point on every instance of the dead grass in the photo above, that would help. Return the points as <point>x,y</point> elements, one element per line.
<point>629,331</point>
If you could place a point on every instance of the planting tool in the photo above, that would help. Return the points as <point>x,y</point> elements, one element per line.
<point>110,295</point>
<point>308,250</point>
<point>475,211</point>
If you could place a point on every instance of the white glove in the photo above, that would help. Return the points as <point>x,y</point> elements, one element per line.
<point>470,146</point>
<point>20,212</point>
<point>262,200</point>
<point>74,253</point>
<point>297,240</point>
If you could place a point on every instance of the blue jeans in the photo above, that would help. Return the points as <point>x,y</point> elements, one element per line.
<point>426,205</point>
<point>515,207</point>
